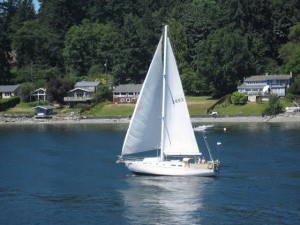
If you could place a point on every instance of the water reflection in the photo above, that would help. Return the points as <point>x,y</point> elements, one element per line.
<point>164,200</point>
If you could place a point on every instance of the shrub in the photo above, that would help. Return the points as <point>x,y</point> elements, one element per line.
<point>238,98</point>
<point>9,103</point>
<point>274,107</point>
<point>40,102</point>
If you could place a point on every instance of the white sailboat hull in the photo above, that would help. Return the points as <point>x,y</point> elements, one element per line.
<point>171,168</point>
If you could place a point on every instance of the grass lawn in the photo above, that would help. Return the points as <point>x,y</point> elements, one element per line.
<point>27,108</point>
<point>251,108</point>
<point>196,105</point>
<point>21,108</point>
<point>110,109</point>
<point>199,105</point>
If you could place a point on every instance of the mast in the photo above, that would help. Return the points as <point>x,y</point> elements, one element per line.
<point>163,94</point>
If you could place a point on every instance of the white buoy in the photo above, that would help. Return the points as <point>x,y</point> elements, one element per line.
<point>224,128</point>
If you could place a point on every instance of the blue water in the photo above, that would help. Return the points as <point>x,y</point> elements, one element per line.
<point>66,174</point>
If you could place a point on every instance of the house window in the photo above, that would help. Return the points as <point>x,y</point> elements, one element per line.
<point>7,94</point>
<point>273,82</point>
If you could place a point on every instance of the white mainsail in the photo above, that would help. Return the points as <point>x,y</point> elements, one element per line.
<point>179,137</point>
<point>144,131</point>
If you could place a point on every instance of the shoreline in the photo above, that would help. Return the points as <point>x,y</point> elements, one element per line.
<point>281,118</point>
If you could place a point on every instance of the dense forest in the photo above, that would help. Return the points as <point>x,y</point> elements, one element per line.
<point>216,42</point>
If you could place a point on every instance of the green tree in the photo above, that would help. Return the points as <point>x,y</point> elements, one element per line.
<point>24,12</point>
<point>266,25</point>
<point>26,90</point>
<point>274,106</point>
<point>200,18</point>
<point>37,52</point>
<point>103,93</point>
<point>58,88</point>
<point>87,45</point>
<point>224,60</point>
<point>295,86</point>
<point>133,57</point>
<point>7,11</point>
<point>60,15</point>
<point>36,43</point>
<point>5,74</point>
<point>194,84</point>
<point>290,52</point>
<point>178,38</point>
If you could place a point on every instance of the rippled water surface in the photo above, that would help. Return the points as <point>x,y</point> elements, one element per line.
<point>66,174</point>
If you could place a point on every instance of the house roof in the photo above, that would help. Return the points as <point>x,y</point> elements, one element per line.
<point>46,107</point>
<point>128,88</point>
<point>43,89</point>
<point>83,89</point>
<point>9,88</point>
<point>87,84</point>
<point>267,77</point>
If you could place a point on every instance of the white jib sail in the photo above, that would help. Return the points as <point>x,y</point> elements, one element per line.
<point>179,137</point>
<point>144,130</point>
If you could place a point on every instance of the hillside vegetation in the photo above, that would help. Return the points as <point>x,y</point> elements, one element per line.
<point>216,42</point>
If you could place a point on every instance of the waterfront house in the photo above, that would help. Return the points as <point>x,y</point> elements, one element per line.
<point>39,94</point>
<point>82,93</point>
<point>126,93</point>
<point>44,111</point>
<point>7,91</point>
<point>261,86</point>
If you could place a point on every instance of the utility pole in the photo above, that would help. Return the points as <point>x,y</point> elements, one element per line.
<point>31,69</point>
<point>105,66</point>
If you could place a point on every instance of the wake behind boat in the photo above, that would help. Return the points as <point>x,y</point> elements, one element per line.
<point>161,123</point>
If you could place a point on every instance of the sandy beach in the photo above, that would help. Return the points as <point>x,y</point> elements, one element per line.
<point>286,117</point>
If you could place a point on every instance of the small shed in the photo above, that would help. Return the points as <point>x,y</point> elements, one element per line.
<point>44,111</point>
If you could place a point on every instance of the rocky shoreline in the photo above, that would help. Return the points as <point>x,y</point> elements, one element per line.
<point>70,118</point>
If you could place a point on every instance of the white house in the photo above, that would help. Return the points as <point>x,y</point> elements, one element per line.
<point>260,86</point>
<point>39,94</point>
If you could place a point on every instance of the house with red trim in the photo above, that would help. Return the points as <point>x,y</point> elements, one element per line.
<point>126,93</point>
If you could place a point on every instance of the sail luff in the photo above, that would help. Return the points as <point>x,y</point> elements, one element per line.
<point>143,133</point>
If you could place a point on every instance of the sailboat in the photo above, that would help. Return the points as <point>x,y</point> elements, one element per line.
<point>161,123</point>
